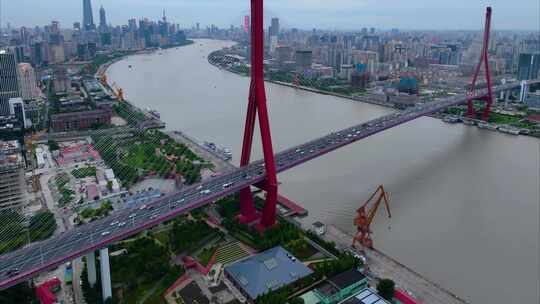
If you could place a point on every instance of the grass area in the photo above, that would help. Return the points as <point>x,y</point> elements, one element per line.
<point>187,236</point>
<point>301,249</point>
<point>229,253</point>
<point>150,153</point>
<point>502,119</point>
<point>93,214</point>
<point>205,255</point>
<point>66,195</point>
<point>145,268</point>
<point>84,172</point>
<point>17,232</point>
<point>458,111</point>
<point>162,237</point>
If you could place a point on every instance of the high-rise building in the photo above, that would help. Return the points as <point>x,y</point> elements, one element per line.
<point>36,54</point>
<point>16,108</point>
<point>11,176</point>
<point>9,86</point>
<point>88,16</point>
<point>304,60</point>
<point>246,24</point>
<point>368,59</point>
<point>102,20</point>
<point>274,28</point>
<point>27,82</point>
<point>529,66</point>
<point>56,53</point>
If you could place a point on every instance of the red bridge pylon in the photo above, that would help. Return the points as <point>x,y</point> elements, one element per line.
<point>484,60</point>
<point>257,105</point>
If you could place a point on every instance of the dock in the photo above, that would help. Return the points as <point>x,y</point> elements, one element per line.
<point>294,208</point>
<point>382,266</point>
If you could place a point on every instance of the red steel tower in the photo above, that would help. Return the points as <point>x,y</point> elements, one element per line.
<point>257,105</point>
<point>484,60</point>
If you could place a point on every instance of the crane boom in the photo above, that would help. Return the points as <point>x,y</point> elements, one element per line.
<point>382,196</point>
<point>364,219</point>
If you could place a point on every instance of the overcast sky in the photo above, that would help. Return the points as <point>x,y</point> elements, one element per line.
<point>306,14</point>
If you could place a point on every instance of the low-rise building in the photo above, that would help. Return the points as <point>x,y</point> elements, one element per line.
<point>265,272</point>
<point>366,296</point>
<point>80,120</point>
<point>341,286</point>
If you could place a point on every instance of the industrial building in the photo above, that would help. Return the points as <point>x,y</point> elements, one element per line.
<point>266,271</point>
<point>80,120</point>
<point>12,181</point>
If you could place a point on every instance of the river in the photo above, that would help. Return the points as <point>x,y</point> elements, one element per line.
<point>464,201</point>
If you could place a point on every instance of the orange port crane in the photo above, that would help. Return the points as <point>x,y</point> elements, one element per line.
<point>364,217</point>
<point>103,79</point>
<point>118,91</point>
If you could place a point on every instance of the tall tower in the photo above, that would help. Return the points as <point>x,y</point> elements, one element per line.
<point>102,20</point>
<point>9,84</point>
<point>274,29</point>
<point>88,16</point>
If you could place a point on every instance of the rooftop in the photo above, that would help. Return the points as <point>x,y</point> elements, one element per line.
<point>267,271</point>
<point>10,155</point>
<point>340,281</point>
<point>366,296</point>
<point>347,278</point>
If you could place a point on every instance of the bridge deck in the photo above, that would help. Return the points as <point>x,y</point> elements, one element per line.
<point>98,234</point>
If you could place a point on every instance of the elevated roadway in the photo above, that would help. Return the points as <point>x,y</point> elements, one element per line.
<point>122,224</point>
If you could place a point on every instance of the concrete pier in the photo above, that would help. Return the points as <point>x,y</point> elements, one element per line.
<point>91,267</point>
<point>106,288</point>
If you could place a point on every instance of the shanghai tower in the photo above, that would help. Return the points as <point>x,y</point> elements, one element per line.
<point>88,17</point>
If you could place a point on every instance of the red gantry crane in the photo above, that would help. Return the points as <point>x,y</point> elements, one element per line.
<point>364,217</point>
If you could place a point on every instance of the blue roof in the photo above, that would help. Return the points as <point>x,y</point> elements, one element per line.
<point>268,270</point>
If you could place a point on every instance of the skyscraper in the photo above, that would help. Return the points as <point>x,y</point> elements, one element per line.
<point>529,66</point>
<point>102,20</point>
<point>9,86</point>
<point>88,16</point>
<point>27,82</point>
<point>247,24</point>
<point>274,28</point>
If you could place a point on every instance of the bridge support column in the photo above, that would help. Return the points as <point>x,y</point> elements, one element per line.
<point>484,60</point>
<point>106,288</point>
<point>91,268</point>
<point>257,106</point>
<point>523,91</point>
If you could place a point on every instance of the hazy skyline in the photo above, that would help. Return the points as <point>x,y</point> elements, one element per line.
<point>306,14</point>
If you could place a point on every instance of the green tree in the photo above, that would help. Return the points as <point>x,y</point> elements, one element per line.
<point>42,226</point>
<point>22,293</point>
<point>53,145</point>
<point>386,289</point>
<point>296,300</point>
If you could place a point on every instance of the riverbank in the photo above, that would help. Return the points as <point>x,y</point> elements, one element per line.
<point>370,99</point>
<point>103,68</point>
<point>382,266</point>
<point>423,165</point>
